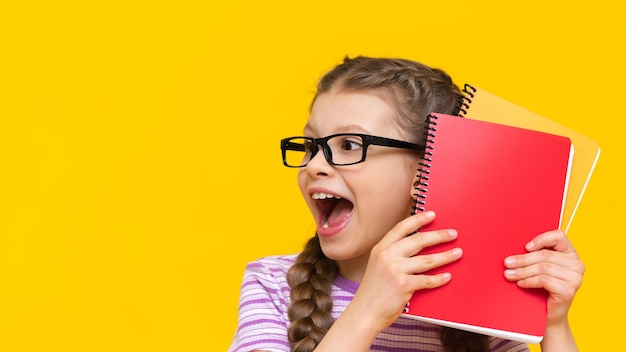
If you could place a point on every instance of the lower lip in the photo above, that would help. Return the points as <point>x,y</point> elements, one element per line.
<point>332,230</point>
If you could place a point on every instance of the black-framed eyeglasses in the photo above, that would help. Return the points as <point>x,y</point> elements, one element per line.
<point>339,149</point>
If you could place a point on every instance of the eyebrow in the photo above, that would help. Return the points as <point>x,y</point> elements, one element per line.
<point>343,129</point>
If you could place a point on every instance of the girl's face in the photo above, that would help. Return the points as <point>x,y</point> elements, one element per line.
<point>373,195</point>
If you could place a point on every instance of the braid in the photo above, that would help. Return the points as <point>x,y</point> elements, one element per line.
<point>454,340</point>
<point>310,279</point>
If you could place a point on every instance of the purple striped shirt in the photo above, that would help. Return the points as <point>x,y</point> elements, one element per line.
<point>263,320</point>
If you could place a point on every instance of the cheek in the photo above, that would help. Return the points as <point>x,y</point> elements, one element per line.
<point>386,194</point>
<point>390,191</point>
<point>302,181</point>
<point>396,178</point>
<point>302,186</point>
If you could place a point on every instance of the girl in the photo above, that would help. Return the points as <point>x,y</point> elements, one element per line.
<point>357,166</point>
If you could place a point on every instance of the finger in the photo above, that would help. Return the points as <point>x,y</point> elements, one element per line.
<point>556,240</point>
<point>568,260</point>
<point>420,282</point>
<point>546,269</point>
<point>565,290</point>
<point>414,244</point>
<point>423,263</point>
<point>407,227</point>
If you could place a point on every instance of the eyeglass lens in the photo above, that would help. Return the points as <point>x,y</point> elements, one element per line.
<point>344,150</point>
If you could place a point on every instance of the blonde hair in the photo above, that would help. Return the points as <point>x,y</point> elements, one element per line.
<point>414,90</point>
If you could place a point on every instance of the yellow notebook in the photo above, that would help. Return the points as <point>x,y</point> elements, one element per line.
<point>482,105</point>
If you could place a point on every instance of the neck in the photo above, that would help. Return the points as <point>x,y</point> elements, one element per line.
<point>353,269</point>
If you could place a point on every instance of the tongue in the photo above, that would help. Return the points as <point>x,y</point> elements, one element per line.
<point>339,213</point>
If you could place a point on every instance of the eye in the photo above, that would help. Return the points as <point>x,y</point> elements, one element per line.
<point>351,144</point>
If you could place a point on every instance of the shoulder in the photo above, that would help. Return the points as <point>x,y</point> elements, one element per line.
<point>263,305</point>
<point>275,267</point>
<point>269,272</point>
<point>264,288</point>
<point>276,263</point>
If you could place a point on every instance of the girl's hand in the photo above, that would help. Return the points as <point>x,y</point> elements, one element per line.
<point>552,264</point>
<point>395,268</point>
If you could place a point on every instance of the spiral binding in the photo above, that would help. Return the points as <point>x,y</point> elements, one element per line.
<point>463,104</point>
<point>465,100</point>
<point>424,171</point>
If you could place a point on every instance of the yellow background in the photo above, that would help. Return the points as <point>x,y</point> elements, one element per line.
<point>140,160</point>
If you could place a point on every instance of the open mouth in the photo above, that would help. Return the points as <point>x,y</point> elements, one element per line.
<point>334,211</point>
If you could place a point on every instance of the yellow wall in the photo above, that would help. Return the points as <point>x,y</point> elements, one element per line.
<point>140,160</point>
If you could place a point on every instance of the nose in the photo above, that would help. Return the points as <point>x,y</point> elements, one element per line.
<point>318,165</point>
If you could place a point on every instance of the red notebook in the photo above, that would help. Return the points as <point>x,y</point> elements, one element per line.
<point>499,186</point>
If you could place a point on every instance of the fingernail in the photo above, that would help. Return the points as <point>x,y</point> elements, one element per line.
<point>530,245</point>
<point>453,233</point>
<point>457,252</point>
<point>429,214</point>
<point>509,273</point>
<point>509,261</point>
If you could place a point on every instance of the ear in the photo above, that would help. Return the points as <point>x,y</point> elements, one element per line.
<point>415,184</point>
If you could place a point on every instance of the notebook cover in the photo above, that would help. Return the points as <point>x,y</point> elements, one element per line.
<point>499,186</point>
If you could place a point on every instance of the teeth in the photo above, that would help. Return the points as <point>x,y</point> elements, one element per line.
<point>321,195</point>
<point>325,225</point>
